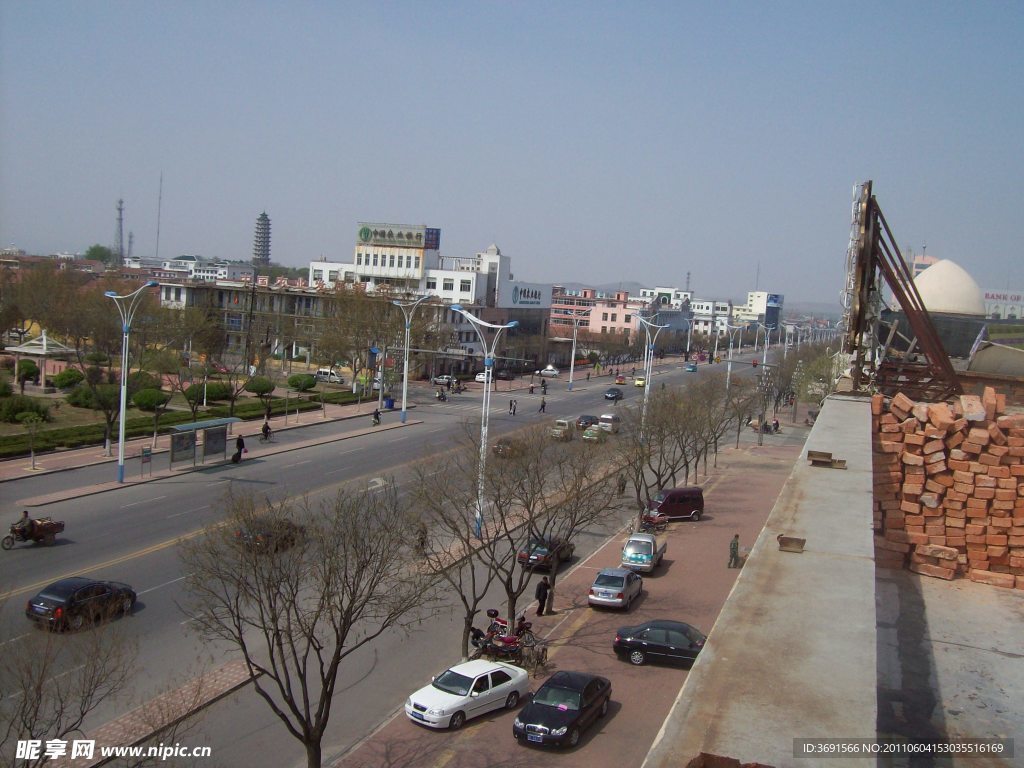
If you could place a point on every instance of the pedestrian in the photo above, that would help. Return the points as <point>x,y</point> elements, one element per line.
<point>515,404</point>
<point>543,588</point>
<point>621,483</point>
<point>543,406</point>
<point>734,552</point>
<point>588,375</point>
<point>449,385</point>
<point>543,387</point>
<point>511,406</point>
<point>239,450</point>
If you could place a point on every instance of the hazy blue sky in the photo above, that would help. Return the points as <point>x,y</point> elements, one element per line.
<point>593,142</point>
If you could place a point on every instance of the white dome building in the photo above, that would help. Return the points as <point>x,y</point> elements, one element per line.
<point>947,289</point>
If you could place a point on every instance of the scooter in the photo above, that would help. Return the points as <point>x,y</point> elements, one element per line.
<point>440,395</point>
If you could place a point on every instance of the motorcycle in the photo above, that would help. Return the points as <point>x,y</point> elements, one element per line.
<point>459,389</point>
<point>44,530</point>
<point>440,395</point>
<point>497,642</point>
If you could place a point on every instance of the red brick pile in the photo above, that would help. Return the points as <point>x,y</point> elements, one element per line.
<point>949,488</point>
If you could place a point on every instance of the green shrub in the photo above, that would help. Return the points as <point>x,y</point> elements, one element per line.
<point>259,386</point>
<point>150,399</point>
<point>217,390</point>
<point>302,381</point>
<point>68,378</point>
<point>5,387</point>
<point>27,369</point>
<point>96,359</point>
<point>81,396</point>
<point>11,406</point>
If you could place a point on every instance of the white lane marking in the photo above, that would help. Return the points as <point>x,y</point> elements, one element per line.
<point>144,501</point>
<point>161,586</point>
<point>297,464</point>
<point>14,639</point>
<point>187,511</point>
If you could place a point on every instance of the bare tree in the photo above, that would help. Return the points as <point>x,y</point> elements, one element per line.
<point>50,683</point>
<point>297,615</point>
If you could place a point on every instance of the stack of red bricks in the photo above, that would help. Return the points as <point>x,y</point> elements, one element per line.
<point>949,488</point>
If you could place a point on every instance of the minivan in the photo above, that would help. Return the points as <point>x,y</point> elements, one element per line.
<point>329,375</point>
<point>678,503</point>
<point>610,422</point>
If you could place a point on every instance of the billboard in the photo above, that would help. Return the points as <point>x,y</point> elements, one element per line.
<point>519,295</point>
<point>398,235</point>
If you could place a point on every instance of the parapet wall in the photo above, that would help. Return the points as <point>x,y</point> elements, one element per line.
<point>949,488</point>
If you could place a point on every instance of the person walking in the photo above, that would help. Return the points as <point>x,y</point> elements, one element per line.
<point>510,406</point>
<point>543,589</point>
<point>734,552</point>
<point>239,450</point>
<point>515,404</point>
<point>543,406</point>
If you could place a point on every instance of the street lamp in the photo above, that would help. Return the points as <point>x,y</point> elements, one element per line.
<point>408,310</point>
<point>730,329</point>
<point>478,326</point>
<point>648,364</point>
<point>126,306</point>
<point>575,327</point>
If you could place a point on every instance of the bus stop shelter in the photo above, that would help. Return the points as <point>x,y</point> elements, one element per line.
<point>184,440</point>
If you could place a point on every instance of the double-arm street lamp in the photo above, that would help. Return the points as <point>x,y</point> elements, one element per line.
<point>478,326</point>
<point>732,330</point>
<point>648,365</point>
<point>408,310</point>
<point>126,307</point>
<point>576,320</point>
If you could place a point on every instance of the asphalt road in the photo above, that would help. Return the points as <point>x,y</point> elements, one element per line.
<point>129,535</point>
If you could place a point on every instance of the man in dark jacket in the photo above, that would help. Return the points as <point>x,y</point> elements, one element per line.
<point>543,589</point>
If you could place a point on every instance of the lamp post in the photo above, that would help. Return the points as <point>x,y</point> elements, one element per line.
<point>408,310</point>
<point>648,364</point>
<point>126,307</point>
<point>730,329</point>
<point>478,326</point>
<point>575,327</point>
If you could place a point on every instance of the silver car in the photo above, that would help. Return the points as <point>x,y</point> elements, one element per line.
<point>615,588</point>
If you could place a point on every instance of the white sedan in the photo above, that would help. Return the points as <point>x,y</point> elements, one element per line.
<point>549,372</point>
<point>467,690</point>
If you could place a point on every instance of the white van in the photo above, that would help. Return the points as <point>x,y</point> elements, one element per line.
<point>329,375</point>
<point>610,422</point>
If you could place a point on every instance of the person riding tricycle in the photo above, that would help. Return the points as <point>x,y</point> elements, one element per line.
<point>44,530</point>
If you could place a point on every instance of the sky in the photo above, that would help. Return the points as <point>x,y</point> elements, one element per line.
<point>593,142</point>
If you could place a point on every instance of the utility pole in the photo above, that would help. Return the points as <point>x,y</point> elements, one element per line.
<point>119,243</point>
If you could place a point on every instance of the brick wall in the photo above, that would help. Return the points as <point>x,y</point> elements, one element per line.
<point>949,487</point>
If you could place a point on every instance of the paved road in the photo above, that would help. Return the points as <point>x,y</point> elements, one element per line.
<point>129,534</point>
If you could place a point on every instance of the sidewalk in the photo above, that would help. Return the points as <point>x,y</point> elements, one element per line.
<point>60,461</point>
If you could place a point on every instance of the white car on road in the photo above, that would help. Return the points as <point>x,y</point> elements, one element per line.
<point>466,691</point>
<point>549,372</point>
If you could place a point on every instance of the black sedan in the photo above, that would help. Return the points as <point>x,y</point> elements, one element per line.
<point>561,709</point>
<point>267,534</point>
<point>586,420</point>
<point>71,602</point>
<point>613,394</point>
<point>669,641</point>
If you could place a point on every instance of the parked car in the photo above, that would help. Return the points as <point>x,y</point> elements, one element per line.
<point>686,503</point>
<point>482,378</point>
<point>594,434</point>
<point>613,394</point>
<point>615,588</point>
<point>668,641</point>
<point>563,429</point>
<point>509,447</point>
<point>620,379</point>
<point>610,422</point>
<point>467,690</point>
<point>72,602</point>
<point>639,381</point>
<point>550,372</point>
<point>691,367</point>
<point>561,709</point>
<point>329,375</point>
<point>443,380</point>
<point>586,420</point>
<point>505,375</point>
<point>270,534</point>
<point>545,553</point>
<point>643,551</point>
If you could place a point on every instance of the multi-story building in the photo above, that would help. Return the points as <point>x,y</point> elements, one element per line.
<point>668,298</point>
<point>710,316</point>
<point>192,268</point>
<point>261,242</point>
<point>761,307</point>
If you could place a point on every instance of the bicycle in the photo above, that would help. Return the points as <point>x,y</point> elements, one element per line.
<point>267,437</point>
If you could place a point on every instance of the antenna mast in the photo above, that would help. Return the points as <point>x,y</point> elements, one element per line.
<point>119,243</point>
<point>159,205</point>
